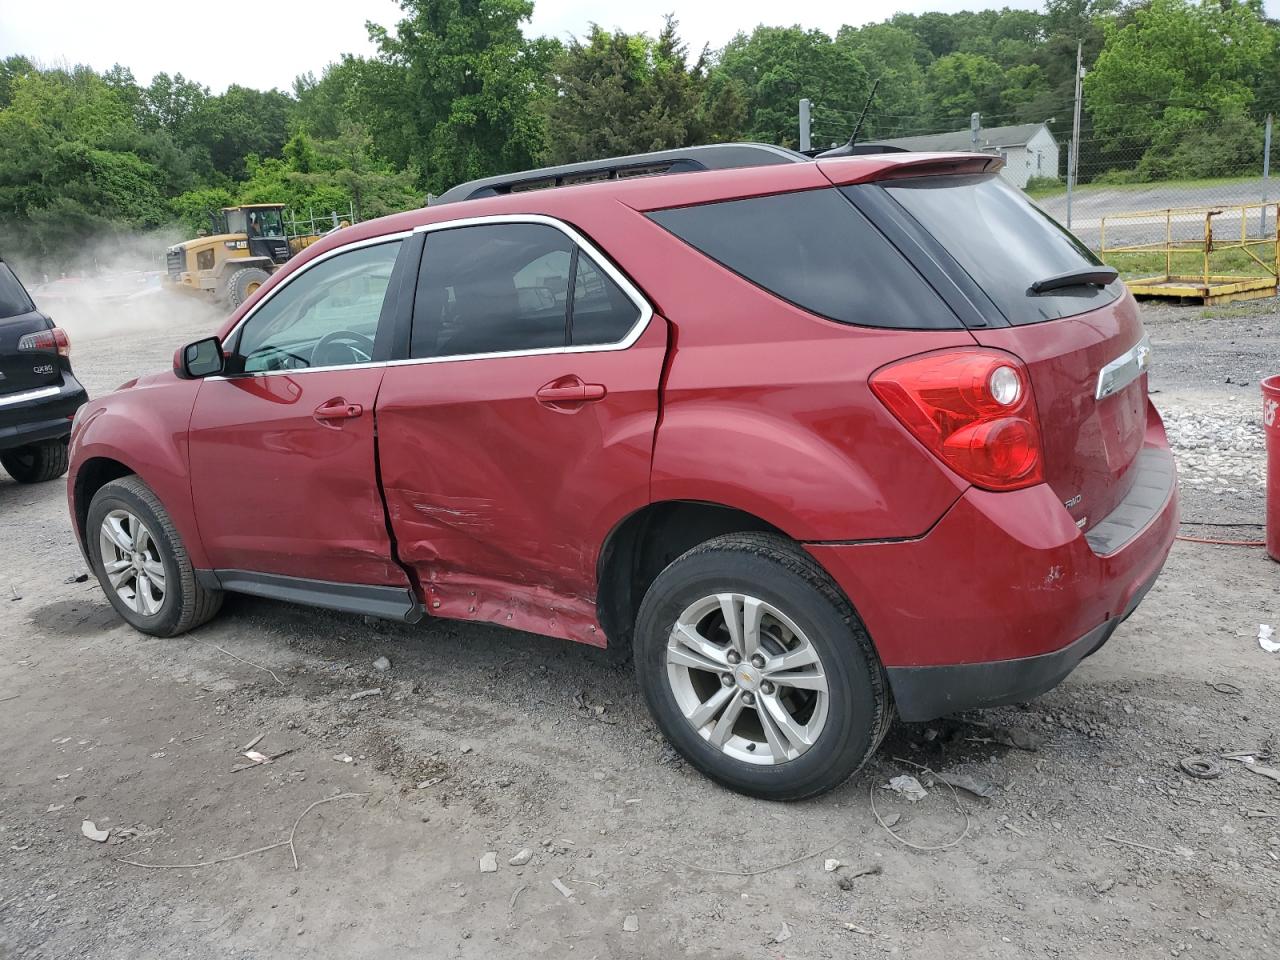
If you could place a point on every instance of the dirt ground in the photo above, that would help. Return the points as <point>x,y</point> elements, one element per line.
<point>1093,845</point>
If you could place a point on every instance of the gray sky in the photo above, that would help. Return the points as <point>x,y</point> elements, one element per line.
<point>278,39</point>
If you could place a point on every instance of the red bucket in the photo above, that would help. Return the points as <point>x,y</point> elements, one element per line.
<point>1271,427</point>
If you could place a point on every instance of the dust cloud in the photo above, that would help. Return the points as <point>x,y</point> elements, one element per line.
<point>114,285</point>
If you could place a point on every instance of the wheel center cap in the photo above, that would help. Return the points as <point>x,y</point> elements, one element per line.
<point>747,678</point>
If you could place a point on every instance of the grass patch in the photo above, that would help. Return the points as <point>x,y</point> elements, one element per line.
<point>1190,263</point>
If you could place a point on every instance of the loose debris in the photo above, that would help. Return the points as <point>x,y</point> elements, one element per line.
<point>1202,768</point>
<point>243,660</point>
<point>1181,851</point>
<point>916,846</point>
<point>908,787</point>
<point>1270,773</point>
<point>831,865</point>
<point>489,862</point>
<point>375,692</point>
<point>521,858</point>
<point>382,664</point>
<point>1265,633</point>
<point>979,788</point>
<point>252,743</point>
<point>783,935</point>
<point>564,890</point>
<point>287,842</point>
<point>631,924</point>
<point>845,880</point>
<point>90,830</point>
<point>755,873</point>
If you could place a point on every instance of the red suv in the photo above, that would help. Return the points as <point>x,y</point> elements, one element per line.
<point>818,440</point>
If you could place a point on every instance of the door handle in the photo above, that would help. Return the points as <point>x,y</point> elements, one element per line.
<point>569,391</point>
<point>337,409</point>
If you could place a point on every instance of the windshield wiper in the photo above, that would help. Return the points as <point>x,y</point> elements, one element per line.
<point>1086,277</point>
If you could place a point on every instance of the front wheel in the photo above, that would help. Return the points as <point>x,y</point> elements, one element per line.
<point>36,462</point>
<point>758,670</point>
<point>141,562</point>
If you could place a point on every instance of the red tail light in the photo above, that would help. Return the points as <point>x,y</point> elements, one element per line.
<point>973,409</point>
<point>48,341</point>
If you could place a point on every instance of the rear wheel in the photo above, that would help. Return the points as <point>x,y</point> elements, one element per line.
<point>36,462</point>
<point>242,284</point>
<point>141,563</point>
<point>758,670</point>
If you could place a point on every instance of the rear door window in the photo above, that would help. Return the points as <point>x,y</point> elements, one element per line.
<point>494,288</point>
<point>1004,242</point>
<point>13,298</point>
<point>816,250</point>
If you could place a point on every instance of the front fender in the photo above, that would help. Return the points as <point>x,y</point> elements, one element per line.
<point>143,427</point>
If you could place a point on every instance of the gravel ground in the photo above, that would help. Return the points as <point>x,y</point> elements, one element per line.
<point>1091,845</point>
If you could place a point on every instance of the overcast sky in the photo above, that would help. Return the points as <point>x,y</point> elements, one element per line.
<point>276,40</point>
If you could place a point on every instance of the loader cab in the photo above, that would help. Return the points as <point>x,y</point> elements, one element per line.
<point>262,226</point>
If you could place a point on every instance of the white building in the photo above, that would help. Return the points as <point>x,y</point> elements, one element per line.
<point>1029,149</point>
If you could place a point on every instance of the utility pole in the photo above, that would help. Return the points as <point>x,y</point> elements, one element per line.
<point>805,106</point>
<point>1266,175</point>
<point>1073,148</point>
<point>975,124</point>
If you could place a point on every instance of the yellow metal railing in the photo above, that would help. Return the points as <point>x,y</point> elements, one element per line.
<point>1212,243</point>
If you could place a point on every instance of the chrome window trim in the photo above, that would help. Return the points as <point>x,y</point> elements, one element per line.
<point>1124,369</point>
<point>37,394</point>
<point>586,246</point>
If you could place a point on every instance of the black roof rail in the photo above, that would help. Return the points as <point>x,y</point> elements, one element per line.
<point>718,156</point>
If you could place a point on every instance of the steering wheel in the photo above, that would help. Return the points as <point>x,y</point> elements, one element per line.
<point>356,348</point>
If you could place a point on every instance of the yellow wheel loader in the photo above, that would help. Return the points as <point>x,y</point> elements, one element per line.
<point>246,245</point>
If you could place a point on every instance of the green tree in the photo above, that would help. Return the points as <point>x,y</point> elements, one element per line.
<point>1173,72</point>
<point>458,86</point>
<point>619,93</point>
<point>776,66</point>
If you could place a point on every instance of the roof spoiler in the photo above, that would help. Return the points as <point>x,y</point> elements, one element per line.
<point>897,166</point>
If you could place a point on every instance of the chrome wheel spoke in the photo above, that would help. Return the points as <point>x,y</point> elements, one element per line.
<point>802,656</point>
<point>777,744</point>
<point>705,713</point>
<point>155,571</point>
<point>724,726</point>
<point>120,538</point>
<point>795,735</point>
<point>706,652</point>
<point>119,577</point>
<point>143,592</point>
<point>808,680</point>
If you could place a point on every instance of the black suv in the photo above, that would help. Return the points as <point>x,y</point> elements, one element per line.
<point>38,394</point>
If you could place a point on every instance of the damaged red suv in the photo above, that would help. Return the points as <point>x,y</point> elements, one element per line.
<point>819,440</point>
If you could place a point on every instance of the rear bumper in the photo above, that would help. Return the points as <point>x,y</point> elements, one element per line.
<point>38,415</point>
<point>925,693</point>
<point>1004,596</point>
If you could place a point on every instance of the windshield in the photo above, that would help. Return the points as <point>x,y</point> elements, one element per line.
<point>13,298</point>
<point>1005,243</point>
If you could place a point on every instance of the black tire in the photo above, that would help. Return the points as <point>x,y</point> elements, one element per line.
<point>779,572</point>
<point>187,603</point>
<point>36,462</point>
<point>242,284</point>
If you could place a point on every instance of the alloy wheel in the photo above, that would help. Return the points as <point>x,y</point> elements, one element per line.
<point>132,563</point>
<point>747,679</point>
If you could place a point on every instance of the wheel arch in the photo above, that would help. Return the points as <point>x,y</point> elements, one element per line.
<point>644,542</point>
<point>91,476</point>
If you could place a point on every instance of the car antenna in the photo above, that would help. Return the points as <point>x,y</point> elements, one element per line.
<point>853,137</point>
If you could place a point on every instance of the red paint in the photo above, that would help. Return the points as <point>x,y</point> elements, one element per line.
<point>1271,428</point>
<point>282,486</point>
<point>501,497</point>
<point>503,477</point>
<point>1002,575</point>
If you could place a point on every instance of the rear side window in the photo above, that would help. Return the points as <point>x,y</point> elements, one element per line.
<point>817,251</point>
<point>13,298</point>
<point>1004,243</point>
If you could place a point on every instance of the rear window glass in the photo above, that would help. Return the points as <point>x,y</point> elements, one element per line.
<point>1005,243</point>
<point>815,250</point>
<point>13,298</point>
<point>602,313</point>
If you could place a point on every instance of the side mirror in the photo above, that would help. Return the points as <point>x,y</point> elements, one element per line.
<point>200,359</point>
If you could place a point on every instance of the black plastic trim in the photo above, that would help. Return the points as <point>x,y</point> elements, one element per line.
<point>389,603</point>
<point>395,322</point>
